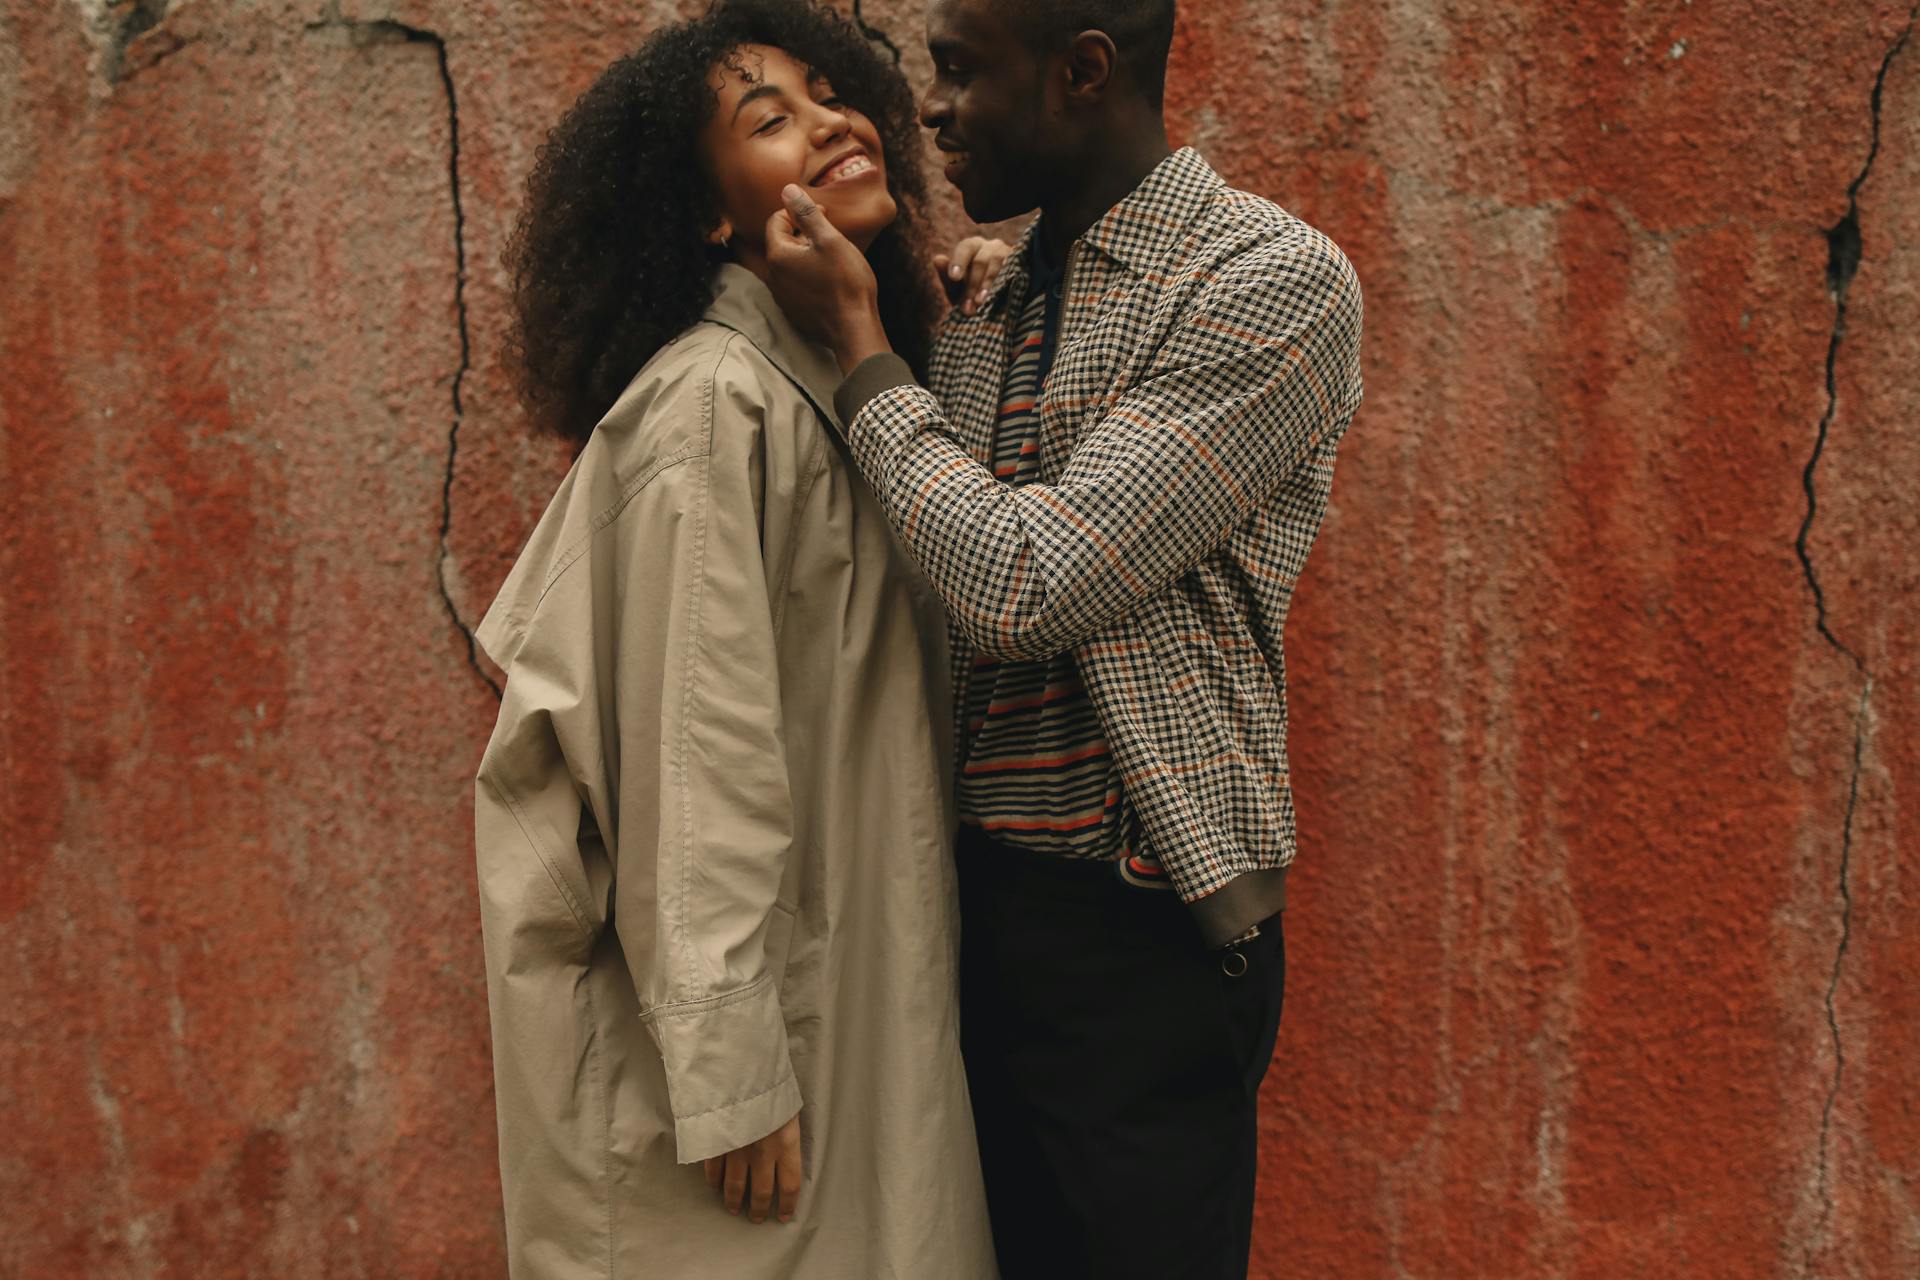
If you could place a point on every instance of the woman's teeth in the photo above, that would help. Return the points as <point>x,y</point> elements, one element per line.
<point>851,167</point>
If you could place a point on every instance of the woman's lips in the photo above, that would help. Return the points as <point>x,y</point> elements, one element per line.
<point>858,165</point>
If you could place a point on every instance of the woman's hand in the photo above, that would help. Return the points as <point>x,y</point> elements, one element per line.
<point>759,1170</point>
<point>967,272</point>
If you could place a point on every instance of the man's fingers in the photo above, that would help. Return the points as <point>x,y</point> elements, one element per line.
<point>736,1189</point>
<point>805,213</point>
<point>784,235</point>
<point>760,1189</point>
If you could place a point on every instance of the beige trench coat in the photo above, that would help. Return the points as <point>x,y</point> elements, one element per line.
<point>713,838</point>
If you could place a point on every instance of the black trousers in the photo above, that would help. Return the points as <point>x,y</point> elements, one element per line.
<point>1114,1063</point>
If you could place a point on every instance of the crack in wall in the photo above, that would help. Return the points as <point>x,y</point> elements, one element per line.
<point>130,19</point>
<point>875,34</point>
<point>445,553</point>
<point>401,32</point>
<point>1845,245</point>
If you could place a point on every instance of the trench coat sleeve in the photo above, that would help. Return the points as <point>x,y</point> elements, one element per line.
<point>723,819</point>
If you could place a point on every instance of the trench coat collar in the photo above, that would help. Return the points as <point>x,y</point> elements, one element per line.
<point>742,302</point>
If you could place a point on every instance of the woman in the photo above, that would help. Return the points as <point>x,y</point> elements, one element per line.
<point>712,822</point>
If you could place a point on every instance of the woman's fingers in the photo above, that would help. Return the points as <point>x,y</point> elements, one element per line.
<point>788,1172</point>
<point>762,1176</point>
<point>736,1180</point>
<point>952,268</point>
<point>963,255</point>
<point>981,271</point>
<point>760,1181</point>
<point>965,270</point>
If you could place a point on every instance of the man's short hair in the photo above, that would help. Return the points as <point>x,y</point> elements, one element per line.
<point>1142,30</point>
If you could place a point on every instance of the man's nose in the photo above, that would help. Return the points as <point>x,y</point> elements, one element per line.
<point>934,108</point>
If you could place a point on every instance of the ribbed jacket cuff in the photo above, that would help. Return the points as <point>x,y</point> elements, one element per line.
<point>869,378</point>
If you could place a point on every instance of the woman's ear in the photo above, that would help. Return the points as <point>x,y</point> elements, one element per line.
<point>721,236</point>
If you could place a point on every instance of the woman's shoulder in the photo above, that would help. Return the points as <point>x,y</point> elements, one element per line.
<point>709,378</point>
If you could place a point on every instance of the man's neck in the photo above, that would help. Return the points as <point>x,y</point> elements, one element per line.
<point>1112,174</point>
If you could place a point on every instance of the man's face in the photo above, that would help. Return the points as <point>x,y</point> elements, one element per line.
<point>989,111</point>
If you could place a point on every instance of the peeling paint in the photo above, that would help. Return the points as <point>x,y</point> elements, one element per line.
<point>1603,926</point>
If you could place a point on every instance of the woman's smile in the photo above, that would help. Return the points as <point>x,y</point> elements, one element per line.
<point>854,163</point>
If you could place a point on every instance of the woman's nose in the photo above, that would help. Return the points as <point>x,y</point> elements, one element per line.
<point>830,124</point>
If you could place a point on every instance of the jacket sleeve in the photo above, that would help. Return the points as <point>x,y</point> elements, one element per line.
<point>698,931</point>
<point>1259,372</point>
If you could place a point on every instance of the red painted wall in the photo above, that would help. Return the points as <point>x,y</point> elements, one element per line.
<point>1605,960</point>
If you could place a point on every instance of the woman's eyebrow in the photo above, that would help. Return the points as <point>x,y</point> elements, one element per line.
<point>754,95</point>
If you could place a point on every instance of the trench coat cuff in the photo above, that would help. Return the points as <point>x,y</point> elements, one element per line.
<point>729,1078</point>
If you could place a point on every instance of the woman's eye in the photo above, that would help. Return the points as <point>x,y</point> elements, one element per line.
<point>769,124</point>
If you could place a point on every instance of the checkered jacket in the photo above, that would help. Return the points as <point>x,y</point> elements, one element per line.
<point>1208,364</point>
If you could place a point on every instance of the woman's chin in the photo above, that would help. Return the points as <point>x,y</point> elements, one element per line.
<point>863,218</point>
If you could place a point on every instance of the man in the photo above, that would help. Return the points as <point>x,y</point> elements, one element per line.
<point>1112,478</point>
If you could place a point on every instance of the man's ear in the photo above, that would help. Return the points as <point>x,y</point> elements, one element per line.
<point>1090,63</point>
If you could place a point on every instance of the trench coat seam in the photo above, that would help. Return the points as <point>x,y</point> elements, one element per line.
<point>606,1121</point>
<point>606,516</point>
<point>800,495</point>
<point>683,731</point>
<point>775,1087</point>
<point>705,1004</point>
<point>516,807</point>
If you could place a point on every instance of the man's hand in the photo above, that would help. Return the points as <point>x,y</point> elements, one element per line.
<point>823,282</point>
<point>969,270</point>
<point>759,1171</point>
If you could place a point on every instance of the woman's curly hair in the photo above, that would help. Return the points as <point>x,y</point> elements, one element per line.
<point>610,259</point>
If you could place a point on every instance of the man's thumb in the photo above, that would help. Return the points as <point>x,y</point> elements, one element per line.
<point>805,213</point>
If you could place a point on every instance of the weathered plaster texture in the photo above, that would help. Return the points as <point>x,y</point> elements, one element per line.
<point>1605,956</point>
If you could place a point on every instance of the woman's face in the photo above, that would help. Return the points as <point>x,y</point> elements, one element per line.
<point>778,121</point>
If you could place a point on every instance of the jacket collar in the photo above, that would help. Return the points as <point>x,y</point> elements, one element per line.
<point>742,302</point>
<point>1144,227</point>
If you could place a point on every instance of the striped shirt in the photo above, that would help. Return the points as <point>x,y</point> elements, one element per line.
<point>1209,362</point>
<point>1038,773</point>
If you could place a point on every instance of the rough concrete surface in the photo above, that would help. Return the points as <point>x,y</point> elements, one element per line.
<point>1605,956</point>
